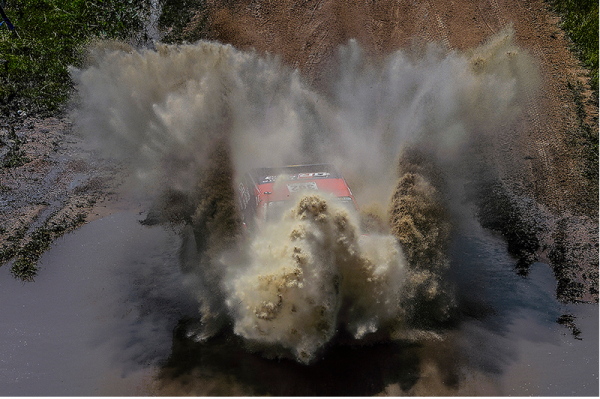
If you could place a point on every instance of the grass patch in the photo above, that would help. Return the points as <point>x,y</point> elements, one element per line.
<point>10,249</point>
<point>49,36</point>
<point>183,20</point>
<point>15,156</point>
<point>586,141</point>
<point>579,19</point>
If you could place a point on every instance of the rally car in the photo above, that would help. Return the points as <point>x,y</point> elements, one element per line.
<point>265,193</point>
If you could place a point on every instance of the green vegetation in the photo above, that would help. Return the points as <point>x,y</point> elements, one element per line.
<point>580,21</point>
<point>177,16</point>
<point>49,36</point>
<point>15,156</point>
<point>10,249</point>
<point>583,139</point>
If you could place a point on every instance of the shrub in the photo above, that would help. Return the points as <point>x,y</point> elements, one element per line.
<point>49,36</point>
<point>580,21</point>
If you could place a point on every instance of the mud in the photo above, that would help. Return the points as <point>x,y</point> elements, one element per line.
<point>61,183</point>
<point>312,275</point>
<point>290,287</point>
<point>421,223</point>
<point>323,304</point>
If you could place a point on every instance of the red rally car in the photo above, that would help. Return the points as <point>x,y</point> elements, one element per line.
<point>265,193</point>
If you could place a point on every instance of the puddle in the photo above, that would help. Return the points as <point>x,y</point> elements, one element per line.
<point>87,325</point>
<point>105,317</point>
<point>510,324</point>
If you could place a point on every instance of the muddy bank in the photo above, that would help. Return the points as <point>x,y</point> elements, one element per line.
<point>567,242</point>
<point>51,182</point>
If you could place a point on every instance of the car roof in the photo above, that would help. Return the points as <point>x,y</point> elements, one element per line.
<point>265,175</point>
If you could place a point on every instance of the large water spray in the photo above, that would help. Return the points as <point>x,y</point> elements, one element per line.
<point>311,272</point>
<point>192,118</point>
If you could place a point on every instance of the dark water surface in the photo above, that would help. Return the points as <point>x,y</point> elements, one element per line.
<point>107,314</point>
<point>88,324</point>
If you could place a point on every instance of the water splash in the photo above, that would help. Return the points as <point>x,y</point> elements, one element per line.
<point>191,118</point>
<point>311,273</point>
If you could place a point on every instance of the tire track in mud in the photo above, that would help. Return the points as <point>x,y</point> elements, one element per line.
<point>424,23</point>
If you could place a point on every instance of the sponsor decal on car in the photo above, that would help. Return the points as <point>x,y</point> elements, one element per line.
<point>312,175</point>
<point>301,186</point>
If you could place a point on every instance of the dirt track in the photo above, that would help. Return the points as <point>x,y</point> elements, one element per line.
<point>307,35</point>
<point>533,160</point>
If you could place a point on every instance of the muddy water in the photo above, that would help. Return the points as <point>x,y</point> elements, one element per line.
<point>107,315</point>
<point>509,325</point>
<point>95,319</point>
